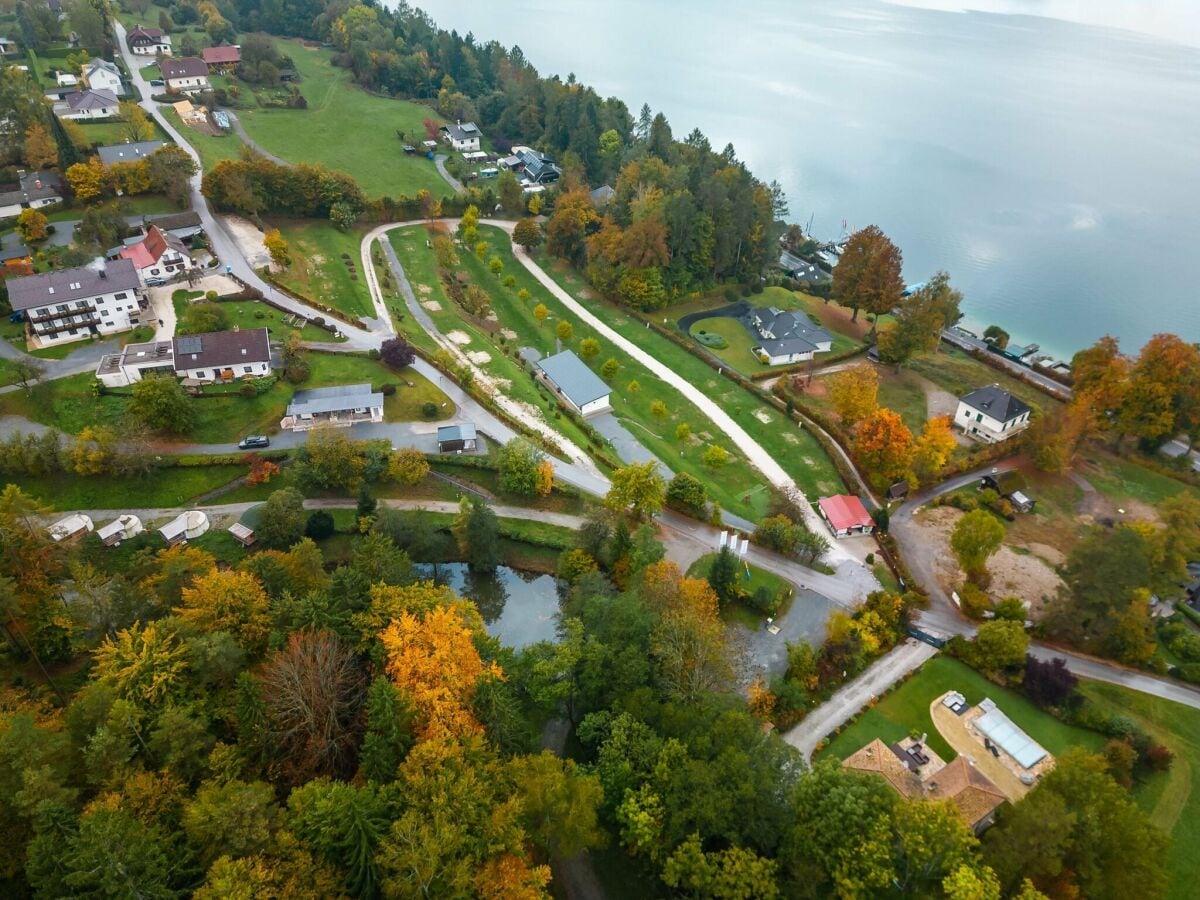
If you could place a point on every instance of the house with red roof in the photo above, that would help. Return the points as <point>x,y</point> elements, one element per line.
<point>845,515</point>
<point>158,256</point>
<point>223,58</point>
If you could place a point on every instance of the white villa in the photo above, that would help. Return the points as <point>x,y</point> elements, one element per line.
<point>991,414</point>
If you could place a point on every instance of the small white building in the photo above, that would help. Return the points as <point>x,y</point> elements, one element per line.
<point>122,528</point>
<point>462,136</point>
<point>223,355</point>
<point>88,104</point>
<point>143,41</point>
<point>101,75</point>
<point>66,79</point>
<point>570,378</point>
<point>185,527</point>
<point>186,75</point>
<point>74,304</point>
<point>71,528</point>
<point>134,362</point>
<point>342,405</point>
<point>158,257</point>
<point>991,414</point>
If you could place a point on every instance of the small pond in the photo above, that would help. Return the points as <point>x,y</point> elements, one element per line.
<point>519,608</point>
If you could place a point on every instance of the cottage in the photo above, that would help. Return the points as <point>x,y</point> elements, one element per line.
<point>183,225</point>
<point>70,529</point>
<point>223,58</point>
<point>158,256</point>
<point>343,405</point>
<point>456,438</point>
<point>242,534</point>
<point>102,75</point>
<point>570,377</point>
<point>222,355</point>
<point>135,362</point>
<point>88,104</point>
<point>34,191</point>
<point>143,41</point>
<point>186,75</point>
<point>463,136</point>
<point>73,304</point>
<point>16,261</point>
<point>122,528</point>
<point>991,414</point>
<point>845,515</point>
<point>184,527</point>
<point>785,337</point>
<point>131,152</point>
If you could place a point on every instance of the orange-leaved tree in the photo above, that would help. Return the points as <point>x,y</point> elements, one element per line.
<point>884,446</point>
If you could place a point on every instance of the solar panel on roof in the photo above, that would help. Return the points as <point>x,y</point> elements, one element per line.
<point>190,343</point>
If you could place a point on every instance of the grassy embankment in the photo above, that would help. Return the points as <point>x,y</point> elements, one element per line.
<point>326,265</point>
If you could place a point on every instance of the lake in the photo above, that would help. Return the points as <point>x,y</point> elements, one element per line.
<point>1052,167</point>
<point>519,608</point>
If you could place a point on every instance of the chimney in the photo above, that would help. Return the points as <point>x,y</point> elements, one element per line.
<point>104,274</point>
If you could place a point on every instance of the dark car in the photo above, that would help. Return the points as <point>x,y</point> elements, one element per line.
<point>254,441</point>
<point>158,82</point>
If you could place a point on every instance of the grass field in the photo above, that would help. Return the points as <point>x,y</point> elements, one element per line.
<point>163,487</point>
<point>319,269</point>
<point>347,129</point>
<point>253,314</point>
<point>212,149</point>
<point>739,352</point>
<point>1120,479</point>
<point>906,711</point>
<point>900,392</point>
<point>105,133</point>
<point>960,374</point>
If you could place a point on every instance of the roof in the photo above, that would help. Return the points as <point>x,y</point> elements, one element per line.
<point>968,788</point>
<point>91,99</point>
<point>1005,733</point>
<point>574,378</point>
<point>333,399</point>
<point>150,249</point>
<point>119,525</point>
<point>603,194</point>
<point>996,402</point>
<point>536,164</point>
<point>65,285</point>
<point>1007,482</point>
<point>69,526</point>
<point>184,108</point>
<point>20,251</point>
<point>845,511</point>
<point>877,758</point>
<point>782,332</point>
<point>215,56</point>
<point>144,35</point>
<point>33,186</point>
<point>173,221</point>
<point>219,349</point>
<point>92,64</point>
<point>464,431</point>
<point>183,67</point>
<point>128,152</point>
<point>463,131</point>
<point>193,520</point>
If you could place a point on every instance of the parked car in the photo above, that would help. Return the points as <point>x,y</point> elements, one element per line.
<point>158,82</point>
<point>155,281</point>
<point>254,442</point>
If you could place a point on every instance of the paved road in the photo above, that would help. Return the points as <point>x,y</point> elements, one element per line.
<point>966,342</point>
<point>854,695</point>
<point>439,160</point>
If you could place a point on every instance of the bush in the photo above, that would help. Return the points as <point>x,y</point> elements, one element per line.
<point>387,389</point>
<point>319,526</point>
<point>297,371</point>
<point>247,390</point>
<point>396,353</point>
<point>373,353</point>
<point>429,409</point>
<point>975,602</point>
<point>765,600</point>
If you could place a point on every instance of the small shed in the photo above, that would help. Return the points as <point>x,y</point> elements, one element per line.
<point>185,527</point>
<point>1011,486</point>
<point>898,491</point>
<point>456,438</point>
<point>845,515</point>
<point>71,528</point>
<point>243,534</point>
<point>122,528</point>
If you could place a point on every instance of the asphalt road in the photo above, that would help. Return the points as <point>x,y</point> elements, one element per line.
<point>966,342</point>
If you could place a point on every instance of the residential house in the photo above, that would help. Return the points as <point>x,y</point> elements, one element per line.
<point>74,304</point>
<point>183,225</point>
<point>536,169</point>
<point>16,261</point>
<point>71,528</point>
<point>991,414</point>
<point>342,405</point>
<point>122,528</point>
<point>34,190</point>
<point>223,355</point>
<point>845,515</point>
<point>224,58</point>
<point>186,75</point>
<point>569,377</point>
<point>158,256</point>
<point>135,362</point>
<point>131,152</point>
<point>143,41</point>
<point>102,75</point>
<point>186,526</point>
<point>463,136</point>
<point>88,104</point>
<point>602,195</point>
<point>784,336</point>
<point>460,438</point>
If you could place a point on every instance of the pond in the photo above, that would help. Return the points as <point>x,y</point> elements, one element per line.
<point>519,608</point>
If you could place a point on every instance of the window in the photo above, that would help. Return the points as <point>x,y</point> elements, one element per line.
<point>62,308</point>
<point>121,296</point>
<point>247,369</point>
<point>979,417</point>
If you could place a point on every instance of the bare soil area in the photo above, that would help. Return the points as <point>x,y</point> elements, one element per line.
<point>249,241</point>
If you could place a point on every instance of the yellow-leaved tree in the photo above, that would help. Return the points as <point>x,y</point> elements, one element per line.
<point>230,601</point>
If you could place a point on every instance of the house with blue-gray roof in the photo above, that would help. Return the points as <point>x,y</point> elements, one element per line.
<point>569,377</point>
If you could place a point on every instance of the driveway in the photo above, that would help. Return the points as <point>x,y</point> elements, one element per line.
<point>439,160</point>
<point>623,441</point>
<point>765,653</point>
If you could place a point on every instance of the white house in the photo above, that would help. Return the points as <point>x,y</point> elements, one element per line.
<point>143,41</point>
<point>223,355</point>
<point>134,362</point>
<point>7,46</point>
<point>158,256</point>
<point>785,337</point>
<point>122,528</point>
<point>991,414</point>
<point>186,526</point>
<point>186,75</point>
<point>71,528</point>
<point>88,104</point>
<point>74,304</point>
<point>463,137</point>
<point>101,75</point>
<point>342,405</point>
<point>36,190</point>
<point>570,377</point>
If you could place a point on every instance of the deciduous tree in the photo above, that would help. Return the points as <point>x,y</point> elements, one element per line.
<point>277,247</point>
<point>397,353</point>
<point>407,466</point>
<point>639,488</point>
<point>477,532</point>
<point>161,405</point>
<point>518,465</point>
<point>527,234</point>
<point>975,538</point>
<point>884,444</point>
<point>854,393</point>
<point>867,275</point>
<point>40,150</point>
<point>932,450</point>
<point>231,601</point>
<point>281,519</point>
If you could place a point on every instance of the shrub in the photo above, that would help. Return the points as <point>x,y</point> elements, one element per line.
<point>210,296</point>
<point>429,409</point>
<point>248,390</point>
<point>387,389</point>
<point>975,601</point>
<point>373,353</point>
<point>396,353</point>
<point>297,371</point>
<point>764,600</point>
<point>320,525</point>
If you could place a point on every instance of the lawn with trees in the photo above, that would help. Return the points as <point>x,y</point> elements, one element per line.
<point>326,266</point>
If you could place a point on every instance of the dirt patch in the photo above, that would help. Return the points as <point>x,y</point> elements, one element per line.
<point>479,357</point>
<point>763,416</point>
<point>791,438</point>
<point>508,334</point>
<point>1051,555</point>
<point>459,337</point>
<point>424,290</point>
<point>432,306</point>
<point>249,241</point>
<point>938,401</point>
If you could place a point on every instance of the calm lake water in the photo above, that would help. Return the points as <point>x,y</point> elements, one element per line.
<point>1052,166</point>
<point>520,608</point>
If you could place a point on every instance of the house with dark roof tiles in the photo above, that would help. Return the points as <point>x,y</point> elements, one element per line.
<point>991,414</point>
<point>144,41</point>
<point>785,336</point>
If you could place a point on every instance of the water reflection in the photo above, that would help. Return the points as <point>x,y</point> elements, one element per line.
<point>520,608</point>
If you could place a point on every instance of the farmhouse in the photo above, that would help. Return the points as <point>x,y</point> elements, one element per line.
<point>570,377</point>
<point>101,75</point>
<point>158,256</point>
<point>186,75</point>
<point>463,136</point>
<point>342,405</point>
<point>460,438</point>
<point>222,355</point>
<point>224,58</point>
<point>143,41</point>
<point>88,104</point>
<point>845,515</point>
<point>132,152</point>
<point>784,336</point>
<point>34,190</point>
<point>991,414</point>
<point>73,304</point>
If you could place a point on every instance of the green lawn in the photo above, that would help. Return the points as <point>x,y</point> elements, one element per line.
<point>906,711</point>
<point>320,271</point>
<point>347,129</point>
<point>739,348</point>
<point>162,487</point>
<point>212,148</point>
<point>902,393</point>
<point>1121,479</point>
<point>105,133</point>
<point>960,374</point>
<point>255,314</point>
<point>744,613</point>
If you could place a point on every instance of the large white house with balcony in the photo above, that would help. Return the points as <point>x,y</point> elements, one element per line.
<point>74,304</point>
<point>991,414</point>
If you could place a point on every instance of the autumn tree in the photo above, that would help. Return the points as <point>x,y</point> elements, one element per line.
<point>559,804</point>
<point>230,601</point>
<point>136,124</point>
<point>262,470</point>
<point>884,444</point>
<point>331,460</point>
<point>281,519</point>
<point>88,180</point>
<point>867,276</point>
<point>171,169</point>
<point>589,348</point>
<point>920,318</point>
<point>396,353</point>
<point>569,225</point>
<point>277,247</point>
<point>854,393</point>
<point>518,465</point>
<point>687,494</point>
<point>540,312</point>
<point>527,234</point>
<point>407,466</point>
<point>933,448</point>
<point>161,404</point>
<point>32,225</point>
<point>1163,396</point>
<point>40,151</point>
<point>638,487</point>
<point>975,538</point>
<point>564,330</point>
<point>544,478</point>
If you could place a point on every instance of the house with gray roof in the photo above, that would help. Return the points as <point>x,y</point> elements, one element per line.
<point>223,355</point>
<point>131,152</point>
<point>100,74</point>
<point>88,104</point>
<point>34,190</point>
<point>463,136</point>
<point>342,405</point>
<point>460,438</point>
<point>784,336</point>
<point>74,304</point>
<point>569,377</point>
<point>991,414</point>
